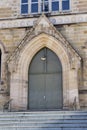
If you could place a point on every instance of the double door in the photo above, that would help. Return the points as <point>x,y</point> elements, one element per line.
<point>45,81</point>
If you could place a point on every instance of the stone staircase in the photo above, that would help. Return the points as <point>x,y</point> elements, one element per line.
<point>44,120</point>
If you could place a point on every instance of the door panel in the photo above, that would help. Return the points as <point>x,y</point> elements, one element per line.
<point>45,81</point>
<point>53,63</point>
<point>37,65</point>
<point>53,91</point>
<point>36,88</point>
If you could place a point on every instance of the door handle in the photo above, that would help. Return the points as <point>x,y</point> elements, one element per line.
<point>44,97</point>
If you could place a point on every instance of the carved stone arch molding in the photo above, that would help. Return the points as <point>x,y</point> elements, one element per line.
<point>19,79</point>
<point>3,66</point>
<point>43,34</point>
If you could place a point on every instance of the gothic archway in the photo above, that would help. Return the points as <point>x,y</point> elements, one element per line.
<point>19,79</point>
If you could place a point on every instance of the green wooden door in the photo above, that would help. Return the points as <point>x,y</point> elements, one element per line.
<point>45,82</point>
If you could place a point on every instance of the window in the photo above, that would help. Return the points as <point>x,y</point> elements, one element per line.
<point>55,5</point>
<point>24,6</point>
<point>65,5</point>
<point>34,6</point>
<point>38,6</point>
<point>45,5</point>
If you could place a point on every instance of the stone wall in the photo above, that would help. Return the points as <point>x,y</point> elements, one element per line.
<point>11,37</point>
<point>9,8</point>
<point>75,34</point>
<point>82,6</point>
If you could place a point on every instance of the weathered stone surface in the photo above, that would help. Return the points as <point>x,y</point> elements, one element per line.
<point>20,43</point>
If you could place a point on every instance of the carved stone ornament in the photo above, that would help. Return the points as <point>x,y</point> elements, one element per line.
<point>43,25</point>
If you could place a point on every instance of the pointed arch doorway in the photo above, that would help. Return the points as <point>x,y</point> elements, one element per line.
<point>45,81</point>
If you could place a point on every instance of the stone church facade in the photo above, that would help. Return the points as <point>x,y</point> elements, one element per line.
<point>23,37</point>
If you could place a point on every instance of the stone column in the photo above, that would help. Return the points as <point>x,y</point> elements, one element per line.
<point>73,89</point>
<point>18,92</point>
<point>83,88</point>
<point>4,92</point>
<point>85,69</point>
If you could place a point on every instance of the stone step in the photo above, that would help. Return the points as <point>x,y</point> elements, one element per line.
<point>56,115</point>
<point>39,124</point>
<point>45,112</point>
<point>43,121</point>
<point>41,114</point>
<point>44,126</point>
<point>43,117</point>
<point>56,120</point>
<point>27,128</point>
